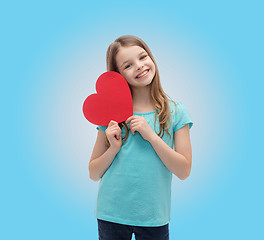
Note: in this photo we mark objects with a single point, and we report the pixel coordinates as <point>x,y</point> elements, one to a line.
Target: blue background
<point>210,57</point>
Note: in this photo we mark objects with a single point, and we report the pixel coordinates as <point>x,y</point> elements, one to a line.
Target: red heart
<point>113,100</point>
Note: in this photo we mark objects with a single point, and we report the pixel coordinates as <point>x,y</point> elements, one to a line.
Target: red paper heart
<point>113,100</point>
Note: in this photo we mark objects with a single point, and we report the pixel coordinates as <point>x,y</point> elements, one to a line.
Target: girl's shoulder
<point>180,115</point>
<point>173,105</point>
<point>176,107</point>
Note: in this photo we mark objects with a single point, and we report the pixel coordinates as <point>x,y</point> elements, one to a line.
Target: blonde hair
<point>158,96</point>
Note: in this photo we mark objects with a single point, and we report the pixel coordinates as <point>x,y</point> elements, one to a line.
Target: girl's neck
<point>142,100</point>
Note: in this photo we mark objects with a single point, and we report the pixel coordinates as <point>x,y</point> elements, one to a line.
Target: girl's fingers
<point>118,136</point>
<point>112,123</point>
<point>119,133</point>
<point>133,128</point>
<point>115,129</point>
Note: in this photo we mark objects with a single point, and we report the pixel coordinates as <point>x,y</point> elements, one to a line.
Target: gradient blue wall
<point>209,55</point>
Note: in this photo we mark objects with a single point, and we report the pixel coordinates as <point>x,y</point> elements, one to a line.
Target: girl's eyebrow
<point>129,59</point>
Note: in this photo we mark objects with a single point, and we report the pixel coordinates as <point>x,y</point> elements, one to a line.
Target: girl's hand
<point>113,133</point>
<point>140,124</point>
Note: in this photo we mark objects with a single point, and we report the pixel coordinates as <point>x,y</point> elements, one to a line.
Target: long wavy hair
<point>158,96</point>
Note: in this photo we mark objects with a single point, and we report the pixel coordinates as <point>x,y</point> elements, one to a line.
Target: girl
<point>134,160</point>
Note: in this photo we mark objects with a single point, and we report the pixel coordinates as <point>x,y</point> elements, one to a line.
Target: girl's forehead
<point>133,50</point>
<point>125,53</point>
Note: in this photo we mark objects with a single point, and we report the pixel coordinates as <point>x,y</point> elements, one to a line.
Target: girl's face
<point>135,65</point>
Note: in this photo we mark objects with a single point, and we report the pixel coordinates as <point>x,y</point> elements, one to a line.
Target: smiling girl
<point>134,160</point>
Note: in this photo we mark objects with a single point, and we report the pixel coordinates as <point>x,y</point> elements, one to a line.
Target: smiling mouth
<point>143,74</point>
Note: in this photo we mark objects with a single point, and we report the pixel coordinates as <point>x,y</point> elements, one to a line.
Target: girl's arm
<point>179,162</point>
<point>101,158</point>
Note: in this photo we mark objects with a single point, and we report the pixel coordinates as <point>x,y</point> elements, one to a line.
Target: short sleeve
<point>103,128</point>
<point>181,117</point>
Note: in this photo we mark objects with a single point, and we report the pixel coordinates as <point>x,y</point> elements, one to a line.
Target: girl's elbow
<point>186,175</point>
<point>188,171</point>
<point>92,176</point>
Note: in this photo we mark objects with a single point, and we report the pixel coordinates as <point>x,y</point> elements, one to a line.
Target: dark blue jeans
<point>115,231</point>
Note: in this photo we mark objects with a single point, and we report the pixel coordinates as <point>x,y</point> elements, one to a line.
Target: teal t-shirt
<point>136,188</point>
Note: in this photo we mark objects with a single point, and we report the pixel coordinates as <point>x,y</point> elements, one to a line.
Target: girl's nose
<point>139,66</point>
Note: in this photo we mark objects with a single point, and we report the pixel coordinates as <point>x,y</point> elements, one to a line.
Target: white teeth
<point>142,74</point>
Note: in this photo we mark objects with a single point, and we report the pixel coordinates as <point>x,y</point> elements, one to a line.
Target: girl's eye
<point>140,58</point>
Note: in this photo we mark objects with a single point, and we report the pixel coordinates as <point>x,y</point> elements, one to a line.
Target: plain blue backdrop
<point>210,57</point>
